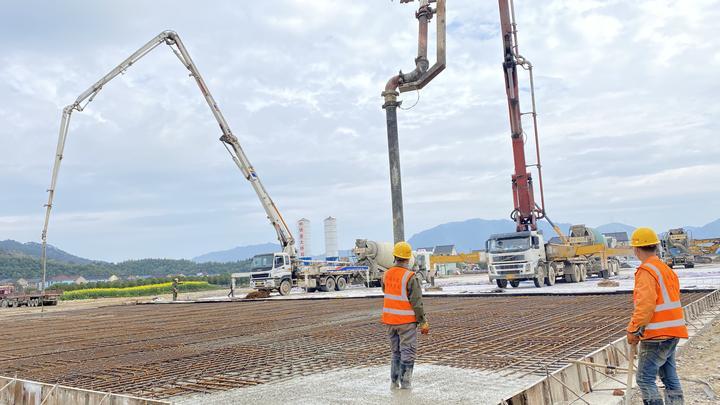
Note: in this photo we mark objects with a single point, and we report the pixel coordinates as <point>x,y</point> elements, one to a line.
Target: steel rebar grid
<point>163,351</point>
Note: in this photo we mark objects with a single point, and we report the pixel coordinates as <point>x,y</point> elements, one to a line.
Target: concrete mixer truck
<point>378,257</point>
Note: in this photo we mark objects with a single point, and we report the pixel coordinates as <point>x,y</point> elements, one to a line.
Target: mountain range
<point>10,247</point>
<point>471,234</point>
<point>237,253</point>
<point>466,235</point>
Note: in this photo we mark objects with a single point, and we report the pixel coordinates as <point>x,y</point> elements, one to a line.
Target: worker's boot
<point>674,397</point>
<point>406,375</point>
<point>395,373</point>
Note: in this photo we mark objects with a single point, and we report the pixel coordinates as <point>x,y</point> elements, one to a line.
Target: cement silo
<point>304,237</point>
<point>331,241</point>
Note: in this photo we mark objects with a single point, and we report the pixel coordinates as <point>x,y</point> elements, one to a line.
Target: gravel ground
<point>699,360</point>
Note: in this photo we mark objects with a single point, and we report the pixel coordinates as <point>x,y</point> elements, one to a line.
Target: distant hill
<point>34,249</point>
<point>14,266</point>
<point>616,227</point>
<point>23,260</point>
<point>237,253</point>
<point>711,230</point>
<point>471,234</point>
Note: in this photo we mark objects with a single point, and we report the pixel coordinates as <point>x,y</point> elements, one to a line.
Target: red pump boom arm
<point>526,212</point>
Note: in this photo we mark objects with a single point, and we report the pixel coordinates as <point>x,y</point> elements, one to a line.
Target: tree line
<point>21,266</point>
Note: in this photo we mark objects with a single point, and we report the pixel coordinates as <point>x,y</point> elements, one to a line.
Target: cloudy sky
<point>626,91</point>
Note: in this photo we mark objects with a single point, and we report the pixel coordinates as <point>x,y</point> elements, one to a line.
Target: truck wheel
<point>340,283</point>
<point>690,266</point>
<point>329,285</point>
<point>583,273</point>
<point>501,283</point>
<point>3,304</point>
<point>551,276</point>
<point>285,287</point>
<point>605,273</point>
<point>571,273</point>
<point>515,283</point>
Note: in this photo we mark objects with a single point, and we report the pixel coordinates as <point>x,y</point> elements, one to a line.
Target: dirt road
<point>74,305</point>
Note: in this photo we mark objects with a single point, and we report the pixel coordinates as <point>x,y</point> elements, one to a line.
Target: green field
<point>139,291</point>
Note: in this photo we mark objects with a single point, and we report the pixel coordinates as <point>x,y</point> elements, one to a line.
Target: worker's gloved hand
<point>424,328</point>
<point>632,338</point>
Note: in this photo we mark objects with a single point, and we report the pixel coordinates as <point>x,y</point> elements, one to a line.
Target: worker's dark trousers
<point>658,357</point>
<point>403,345</point>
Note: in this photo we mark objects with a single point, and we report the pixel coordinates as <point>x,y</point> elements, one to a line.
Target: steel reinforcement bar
<point>164,351</point>
<point>587,379</point>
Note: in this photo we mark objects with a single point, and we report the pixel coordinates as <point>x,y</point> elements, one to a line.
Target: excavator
<point>229,140</point>
<point>705,250</point>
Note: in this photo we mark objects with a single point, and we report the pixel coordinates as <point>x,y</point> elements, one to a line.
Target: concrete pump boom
<point>526,212</point>
<point>171,39</point>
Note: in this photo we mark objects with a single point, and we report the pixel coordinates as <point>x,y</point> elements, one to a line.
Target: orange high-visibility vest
<point>668,319</point>
<point>397,309</point>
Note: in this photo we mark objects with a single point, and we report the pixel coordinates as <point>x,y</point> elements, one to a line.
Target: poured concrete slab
<point>431,385</point>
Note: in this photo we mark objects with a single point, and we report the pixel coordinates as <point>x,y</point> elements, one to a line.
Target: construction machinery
<point>285,274</point>
<point>378,257</point>
<point>462,259</point>
<point>676,248</point>
<point>402,82</point>
<point>524,254</point>
<point>10,297</point>
<point>280,272</point>
<point>705,250</point>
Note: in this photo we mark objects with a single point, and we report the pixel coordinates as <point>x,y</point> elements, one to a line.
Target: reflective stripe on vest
<point>667,303</point>
<point>403,289</point>
<point>397,309</point>
<point>668,318</point>
<point>666,324</point>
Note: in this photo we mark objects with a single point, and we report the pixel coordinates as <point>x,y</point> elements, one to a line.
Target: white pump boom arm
<point>171,39</point>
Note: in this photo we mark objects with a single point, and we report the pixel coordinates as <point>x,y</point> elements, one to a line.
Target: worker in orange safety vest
<point>402,312</point>
<point>657,321</point>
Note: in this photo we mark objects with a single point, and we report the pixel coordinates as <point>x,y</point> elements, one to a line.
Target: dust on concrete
<point>432,384</point>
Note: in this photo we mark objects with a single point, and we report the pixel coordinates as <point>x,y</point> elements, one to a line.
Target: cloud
<point>626,104</point>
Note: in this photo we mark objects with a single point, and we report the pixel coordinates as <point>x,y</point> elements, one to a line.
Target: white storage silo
<point>331,240</point>
<point>304,242</point>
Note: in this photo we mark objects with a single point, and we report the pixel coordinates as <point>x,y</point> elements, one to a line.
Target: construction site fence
<point>15,391</point>
<point>571,383</point>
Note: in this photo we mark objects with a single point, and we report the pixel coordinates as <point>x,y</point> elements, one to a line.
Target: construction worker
<point>657,321</point>
<point>175,289</point>
<point>402,313</point>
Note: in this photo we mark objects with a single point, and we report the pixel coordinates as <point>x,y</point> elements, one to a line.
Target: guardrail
<point>597,372</point>
<point>16,391</point>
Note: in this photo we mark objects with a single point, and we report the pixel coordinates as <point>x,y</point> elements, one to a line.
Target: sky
<point>626,98</point>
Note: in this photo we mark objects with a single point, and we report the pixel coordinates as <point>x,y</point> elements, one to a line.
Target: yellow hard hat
<point>644,237</point>
<point>402,250</point>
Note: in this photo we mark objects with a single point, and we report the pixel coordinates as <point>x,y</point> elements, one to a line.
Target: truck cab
<point>515,257</point>
<point>268,271</point>
<point>676,249</point>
